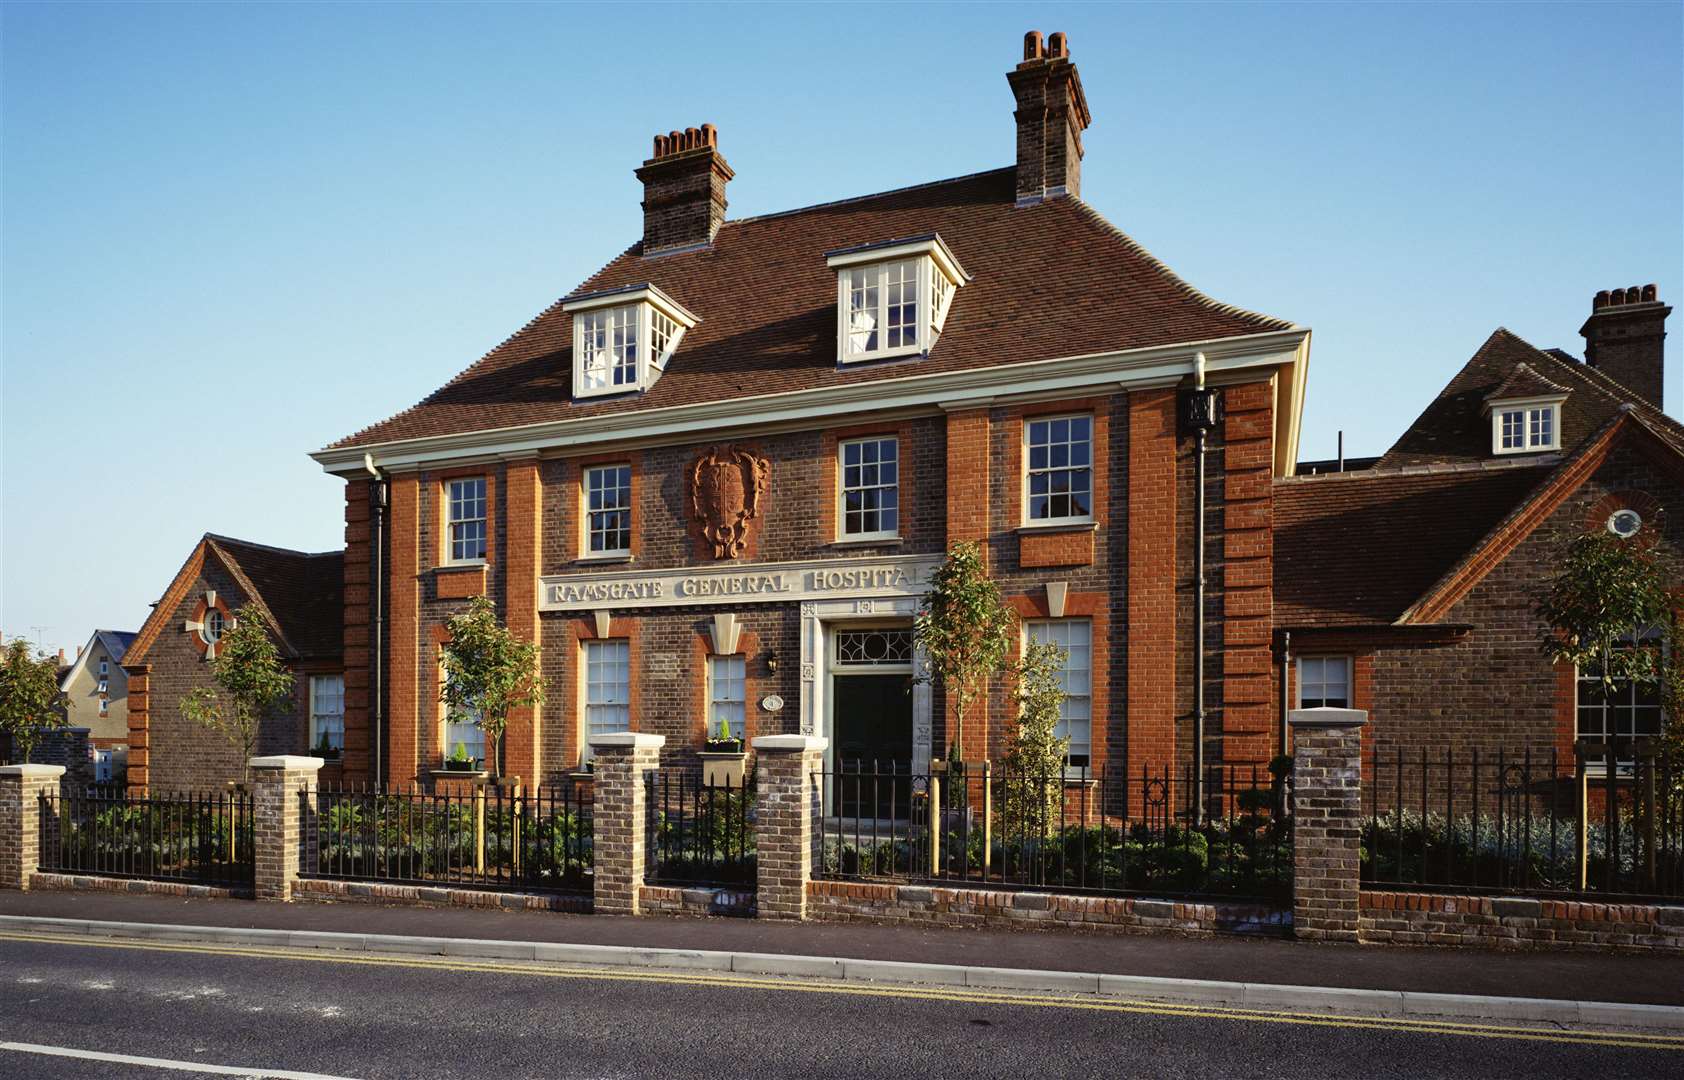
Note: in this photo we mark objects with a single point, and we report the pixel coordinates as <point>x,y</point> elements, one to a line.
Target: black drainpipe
<point>377,713</point>
<point>1286,675</point>
<point>1200,413</point>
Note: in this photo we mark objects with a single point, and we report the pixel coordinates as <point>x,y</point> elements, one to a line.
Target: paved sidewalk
<point>1626,978</point>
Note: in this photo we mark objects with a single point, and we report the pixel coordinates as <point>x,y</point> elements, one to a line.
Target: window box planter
<point>723,768</point>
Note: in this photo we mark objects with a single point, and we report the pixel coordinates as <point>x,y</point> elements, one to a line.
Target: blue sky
<point>235,233</point>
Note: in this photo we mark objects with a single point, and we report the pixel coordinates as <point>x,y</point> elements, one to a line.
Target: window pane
<point>726,692</point>
<point>1059,472</point>
<point>466,519</point>
<point>608,498</point>
<point>870,490</point>
<point>1075,717</point>
<point>607,686</point>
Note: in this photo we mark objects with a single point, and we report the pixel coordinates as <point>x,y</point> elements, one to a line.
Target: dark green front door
<point>872,717</point>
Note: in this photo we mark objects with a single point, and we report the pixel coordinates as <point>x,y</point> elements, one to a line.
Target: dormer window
<point>892,298</point>
<point>1525,427</point>
<point>623,338</point>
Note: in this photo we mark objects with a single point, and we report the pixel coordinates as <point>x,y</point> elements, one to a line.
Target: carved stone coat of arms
<point>728,489</point>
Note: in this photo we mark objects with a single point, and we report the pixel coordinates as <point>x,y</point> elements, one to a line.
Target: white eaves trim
<point>673,310</point>
<point>1126,369</point>
<point>933,246</point>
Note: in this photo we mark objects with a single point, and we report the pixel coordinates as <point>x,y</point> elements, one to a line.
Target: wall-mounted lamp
<point>771,661</point>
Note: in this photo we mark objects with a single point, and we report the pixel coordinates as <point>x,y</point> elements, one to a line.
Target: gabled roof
<point>300,594</point>
<point>1359,548</point>
<point>115,642</point>
<point>1048,281</point>
<point>1455,429</point>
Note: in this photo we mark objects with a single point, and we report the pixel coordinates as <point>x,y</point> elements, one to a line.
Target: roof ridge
<point>223,539</point>
<point>864,198</point>
<point>1188,289</point>
<point>1536,461</point>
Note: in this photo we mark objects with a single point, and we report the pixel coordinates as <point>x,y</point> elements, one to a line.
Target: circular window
<point>213,626</point>
<point>1625,523</point>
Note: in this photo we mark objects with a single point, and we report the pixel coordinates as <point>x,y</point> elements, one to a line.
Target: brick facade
<point>1491,687</point>
<point>1128,571</point>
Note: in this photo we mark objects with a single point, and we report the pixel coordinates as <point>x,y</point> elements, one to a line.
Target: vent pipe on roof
<point>1052,112</point>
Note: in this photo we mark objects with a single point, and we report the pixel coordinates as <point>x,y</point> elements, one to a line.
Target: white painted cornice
<point>970,388</point>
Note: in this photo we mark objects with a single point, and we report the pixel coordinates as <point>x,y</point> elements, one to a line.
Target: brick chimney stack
<point>1625,339</point>
<point>683,190</point>
<point>1052,112</point>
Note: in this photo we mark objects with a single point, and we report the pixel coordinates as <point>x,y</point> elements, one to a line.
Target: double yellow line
<point>954,995</point>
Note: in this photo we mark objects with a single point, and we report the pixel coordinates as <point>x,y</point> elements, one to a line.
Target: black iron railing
<point>1605,820</point>
<point>1083,830</point>
<point>487,837</point>
<point>200,839</point>
<point>700,833</point>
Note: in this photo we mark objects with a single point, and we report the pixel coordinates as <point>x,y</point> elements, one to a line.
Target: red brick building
<point>298,596</point>
<point>1409,588</point>
<point>712,479</point>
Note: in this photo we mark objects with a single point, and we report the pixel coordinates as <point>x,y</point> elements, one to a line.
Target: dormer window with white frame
<point>892,298</point>
<point>1525,426</point>
<point>623,338</point>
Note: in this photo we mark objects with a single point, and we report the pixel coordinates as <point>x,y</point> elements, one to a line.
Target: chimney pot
<point>683,191</point>
<point>1052,112</point>
<point>1625,339</point>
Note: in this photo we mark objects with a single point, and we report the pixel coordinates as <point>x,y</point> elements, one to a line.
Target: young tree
<point>1597,606</point>
<point>250,685</point>
<point>966,631</point>
<point>31,703</point>
<point>1035,760</point>
<point>489,673</point>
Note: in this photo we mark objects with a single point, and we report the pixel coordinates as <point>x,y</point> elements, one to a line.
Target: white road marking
<point>166,1063</point>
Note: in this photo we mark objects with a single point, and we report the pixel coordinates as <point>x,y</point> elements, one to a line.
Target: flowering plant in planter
<point>724,761</point>
<point>723,742</point>
<point>460,760</point>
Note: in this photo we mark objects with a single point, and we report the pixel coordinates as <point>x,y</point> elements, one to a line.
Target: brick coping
<point>1019,909</point>
<point>95,883</point>
<point>1399,917</point>
<point>371,892</point>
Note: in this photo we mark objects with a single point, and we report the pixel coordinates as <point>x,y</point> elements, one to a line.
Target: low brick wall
<point>1518,922</point>
<point>847,901</point>
<point>696,901</point>
<point>91,883</point>
<point>368,892</point>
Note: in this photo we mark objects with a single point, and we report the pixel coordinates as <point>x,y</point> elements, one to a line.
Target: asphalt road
<point>347,1016</point>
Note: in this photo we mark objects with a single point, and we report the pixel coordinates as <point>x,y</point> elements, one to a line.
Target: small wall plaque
<point>771,703</point>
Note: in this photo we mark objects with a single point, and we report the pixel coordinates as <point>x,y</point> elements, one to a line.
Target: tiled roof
<point>303,592</point>
<point>1523,382</point>
<point>1049,280</point>
<point>1354,549</point>
<point>1454,428</point>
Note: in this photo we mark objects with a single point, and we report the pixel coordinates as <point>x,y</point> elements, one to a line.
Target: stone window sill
<point>882,541</point>
<point>604,560</point>
<point>1060,527</point>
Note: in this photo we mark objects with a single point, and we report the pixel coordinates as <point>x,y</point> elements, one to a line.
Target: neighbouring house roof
<point>1047,281</point>
<point>301,595</point>
<point>1456,429</point>
<point>116,643</point>
<point>1360,548</point>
